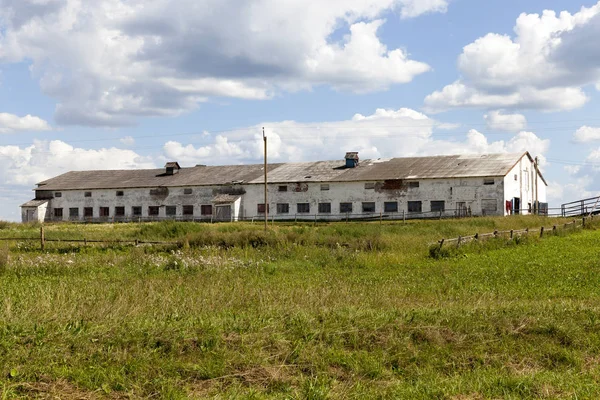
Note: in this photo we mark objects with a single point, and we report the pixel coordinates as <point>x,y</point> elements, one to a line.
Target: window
<point>119,211</point>
<point>390,206</point>
<point>88,212</point>
<point>104,211</point>
<point>414,207</point>
<point>171,211</point>
<point>87,194</point>
<point>58,213</point>
<point>136,211</point>
<point>187,191</point>
<point>489,206</point>
<point>57,194</point>
<point>153,210</point>
<point>283,208</point>
<point>368,207</point>
<point>437,206</point>
<point>489,181</point>
<point>516,177</point>
<point>303,208</point>
<point>345,207</point>
<point>73,212</point>
<point>370,185</point>
<point>324,208</point>
<point>206,210</point>
<point>260,208</point>
<point>413,185</point>
<point>282,188</point>
<point>119,193</point>
<point>325,186</point>
<point>189,210</point>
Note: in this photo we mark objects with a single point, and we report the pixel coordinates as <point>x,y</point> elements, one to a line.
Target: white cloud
<point>505,122</point>
<point>45,159</point>
<point>414,8</point>
<point>109,62</point>
<point>10,123</point>
<point>127,141</point>
<point>545,66</point>
<point>572,169</point>
<point>586,134</point>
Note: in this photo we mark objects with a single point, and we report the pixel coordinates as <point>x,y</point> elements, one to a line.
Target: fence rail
<point>577,208</point>
<point>461,240</point>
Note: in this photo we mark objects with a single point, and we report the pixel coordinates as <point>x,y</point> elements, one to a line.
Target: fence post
<point>404,216</point>
<point>42,238</point>
<point>458,242</point>
<point>583,222</point>
<point>495,234</point>
<point>380,218</point>
<point>441,243</point>
<point>527,231</point>
<point>554,229</point>
<point>137,242</point>
<point>542,231</point>
<point>84,241</point>
<point>476,236</point>
<point>511,233</point>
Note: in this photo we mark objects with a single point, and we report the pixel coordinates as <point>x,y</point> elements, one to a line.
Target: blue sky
<point>114,84</point>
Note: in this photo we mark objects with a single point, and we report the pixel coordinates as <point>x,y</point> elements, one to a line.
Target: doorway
<point>516,205</point>
<point>223,213</point>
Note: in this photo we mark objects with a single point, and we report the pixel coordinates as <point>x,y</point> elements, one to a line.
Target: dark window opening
<point>187,191</point>
<point>87,194</point>
<point>58,194</point>
<point>189,210</point>
<point>415,207</point>
<point>74,212</point>
<point>136,211</point>
<point>325,186</point>
<point>104,211</point>
<point>345,207</point>
<point>153,210</point>
<point>437,206</point>
<point>282,188</point>
<point>303,208</point>
<point>88,212</point>
<point>58,212</point>
<point>119,211</point>
<point>370,185</point>
<point>390,206</point>
<point>413,185</point>
<point>283,208</point>
<point>368,207</point>
<point>171,211</point>
<point>206,210</point>
<point>325,208</point>
<point>489,181</point>
<point>260,208</point>
<point>119,193</point>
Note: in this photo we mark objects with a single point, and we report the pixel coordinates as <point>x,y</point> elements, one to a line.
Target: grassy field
<point>330,311</point>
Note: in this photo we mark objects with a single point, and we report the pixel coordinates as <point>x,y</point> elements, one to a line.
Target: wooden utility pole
<point>537,200</point>
<point>266,196</point>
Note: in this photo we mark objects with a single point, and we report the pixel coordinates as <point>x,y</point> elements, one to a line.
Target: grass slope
<point>336,311</point>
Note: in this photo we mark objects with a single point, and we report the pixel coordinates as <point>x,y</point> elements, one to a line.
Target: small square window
<point>390,206</point>
<point>104,211</point>
<point>119,193</point>
<point>368,207</point>
<point>87,194</point>
<point>187,191</point>
<point>413,185</point>
<point>370,185</point>
<point>74,212</point>
<point>136,211</point>
<point>414,207</point>
<point>171,211</point>
<point>325,186</point>
<point>189,210</point>
<point>58,212</point>
<point>488,181</point>
<point>153,210</point>
<point>88,212</point>
<point>283,208</point>
<point>324,208</point>
<point>119,211</point>
<point>345,207</point>
<point>206,209</point>
<point>516,177</point>
<point>260,208</point>
<point>303,208</point>
<point>57,194</point>
<point>282,188</point>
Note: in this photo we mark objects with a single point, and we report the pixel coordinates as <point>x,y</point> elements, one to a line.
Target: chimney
<point>351,159</point>
<point>172,168</point>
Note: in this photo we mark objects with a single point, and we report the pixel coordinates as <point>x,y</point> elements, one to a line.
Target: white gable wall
<point>521,183</point>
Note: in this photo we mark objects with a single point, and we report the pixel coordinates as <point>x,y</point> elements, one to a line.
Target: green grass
<point>302,312</point>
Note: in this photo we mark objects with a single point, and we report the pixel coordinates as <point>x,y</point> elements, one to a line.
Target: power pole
<point>266,196</point>
<point>537,200</point>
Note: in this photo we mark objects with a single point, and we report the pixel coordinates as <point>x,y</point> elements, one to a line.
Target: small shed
<point>34,211</point>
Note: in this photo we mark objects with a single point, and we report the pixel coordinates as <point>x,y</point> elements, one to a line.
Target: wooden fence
<point>513,233</point>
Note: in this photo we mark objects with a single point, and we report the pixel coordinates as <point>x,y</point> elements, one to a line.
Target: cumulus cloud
<point>109,62</point>
<point>505,122</point>
<point>544,66</point>
<point>10,123</point>
<point>45,159</point>
<point>586,134</point>
<point>127,141</point>
<point>385,133</point>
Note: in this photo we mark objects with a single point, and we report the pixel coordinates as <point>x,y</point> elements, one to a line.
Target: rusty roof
<point>436,167</point>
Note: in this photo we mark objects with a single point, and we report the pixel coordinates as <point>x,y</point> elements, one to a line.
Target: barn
<point>394,188</point>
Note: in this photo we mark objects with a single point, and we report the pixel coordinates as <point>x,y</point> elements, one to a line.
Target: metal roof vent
<point>351,159</point>
<point>172,168</point>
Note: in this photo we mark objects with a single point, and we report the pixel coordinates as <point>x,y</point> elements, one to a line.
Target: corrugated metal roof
<point>455,166</point>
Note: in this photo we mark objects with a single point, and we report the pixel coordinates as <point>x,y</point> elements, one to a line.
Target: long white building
<point>417,187</point>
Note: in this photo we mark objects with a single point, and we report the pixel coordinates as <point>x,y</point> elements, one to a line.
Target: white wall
<point>521,182</point>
